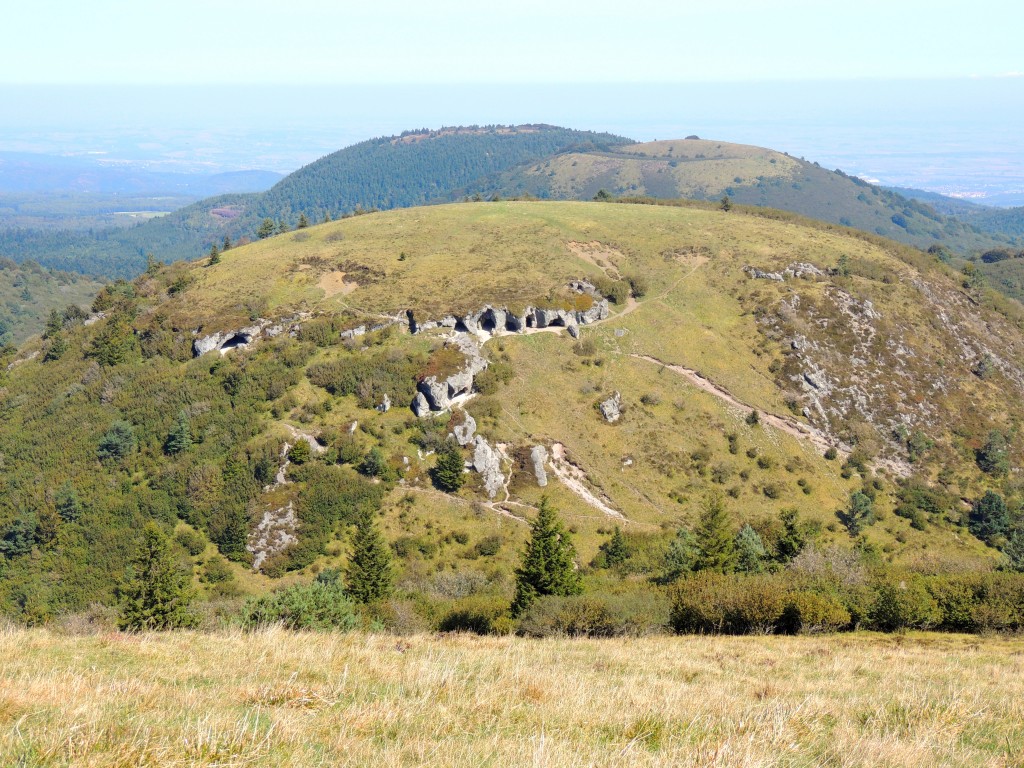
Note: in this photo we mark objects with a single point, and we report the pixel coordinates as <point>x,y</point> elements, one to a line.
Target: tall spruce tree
<point>179,439</point>
<point>369,576</point>
<point>158,594</point>
<point>715,539</point>
<point>548,566</point>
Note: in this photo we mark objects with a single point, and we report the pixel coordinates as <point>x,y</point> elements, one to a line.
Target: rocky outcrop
<point>539,457</point>
<point>798,270</point>
<point>385,404</point>
<point>225,341</point>
<point>487,461</point>
<point>611,408</point>
<point>438,394</point>
<point>465,431</point>
<point>276,531</point>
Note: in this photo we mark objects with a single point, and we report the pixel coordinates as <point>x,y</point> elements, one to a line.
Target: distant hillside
<point>700,169</point>
<point>28,293</point>
<point>390,172</point>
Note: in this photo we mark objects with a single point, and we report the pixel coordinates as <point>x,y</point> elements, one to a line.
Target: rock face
<point>539,457</point>
<point>465,431</point>
<point>420,406</point>
<point>611,408</point>
<point>439,394</point>
<point>275,533</point>
<point>487,462</point>
<point>225,341</point>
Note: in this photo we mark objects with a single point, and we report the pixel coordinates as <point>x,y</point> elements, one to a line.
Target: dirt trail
<point>575,479</point>
<point>816,437</point>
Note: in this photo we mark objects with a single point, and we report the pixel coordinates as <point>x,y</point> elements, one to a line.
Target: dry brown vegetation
<point>282,699</point>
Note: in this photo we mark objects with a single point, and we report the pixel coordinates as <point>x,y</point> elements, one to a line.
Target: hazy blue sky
<point>439,41</point>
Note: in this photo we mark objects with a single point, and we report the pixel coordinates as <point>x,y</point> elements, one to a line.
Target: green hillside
<point>29,293</point>
<point>389,172</point>
<point>708,170</point>
<point>771,363</point>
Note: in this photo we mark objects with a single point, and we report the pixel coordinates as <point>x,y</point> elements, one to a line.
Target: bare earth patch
<point>333,284</point>
<point>598,254</point>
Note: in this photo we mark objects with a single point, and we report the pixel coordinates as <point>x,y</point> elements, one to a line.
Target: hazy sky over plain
<point>450,41</point>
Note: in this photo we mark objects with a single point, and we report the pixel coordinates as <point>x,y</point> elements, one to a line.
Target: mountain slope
<point>388,172</point>
<point>750,175</point>
<point>748,347</point>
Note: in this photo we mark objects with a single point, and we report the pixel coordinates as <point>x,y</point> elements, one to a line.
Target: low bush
<point>320,606</point>
<point>595,615</point>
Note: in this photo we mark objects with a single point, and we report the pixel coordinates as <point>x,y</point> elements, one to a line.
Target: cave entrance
<point>236,341</point>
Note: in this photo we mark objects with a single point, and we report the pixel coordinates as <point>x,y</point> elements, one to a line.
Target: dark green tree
<point>369,576</point>
<point>859,514</point>
<point>989,517</point>
<point>19,536</point>
<point>303,222</point>
<point>54,324</point>
<point>179,439</point>
<point>602,196</point>
<point>548,566</point>
<point>994,456</point>
<point>214,255</point>
<point>793,539</point>
<point>725,203</point>
<point>1013,553</point>
<point>615,551</point>
<point>448,473</point>
<point>117,442</point>
<point>681,556</point>
<point>266,229</point>
<point>57,347</point>
<point>715,538</point>
<point>66,501</point>
<point>282,226</point>
<point>158,593</point>
<point>300,453</point>
<point>227,244</point>
<point>375,464</point>
<point>229,530</point>
<point>750,551</point>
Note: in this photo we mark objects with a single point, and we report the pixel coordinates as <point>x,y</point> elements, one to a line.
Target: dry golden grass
<point>281,699</point>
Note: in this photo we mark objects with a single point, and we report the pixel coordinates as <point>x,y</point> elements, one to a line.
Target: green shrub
<point>712,603</point>
<point>903,602</point>
<point>476,614</point>
<point>191,541</point>
<point>594,615</point>
<point>813,612</point>
<point>319,607</point>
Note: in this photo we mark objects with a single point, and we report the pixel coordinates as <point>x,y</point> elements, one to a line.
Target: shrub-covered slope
<point>772,363</point>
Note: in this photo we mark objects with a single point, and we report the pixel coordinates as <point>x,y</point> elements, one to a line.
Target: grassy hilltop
<point>706,170</point>
<point>836,341</point>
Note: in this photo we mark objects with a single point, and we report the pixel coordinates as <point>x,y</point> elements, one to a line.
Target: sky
<point>108,42</point>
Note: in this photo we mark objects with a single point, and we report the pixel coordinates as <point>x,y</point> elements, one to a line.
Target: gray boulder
<point>465,431</point>
<point>539,457</point>
<point>420,406</point>
<point>611,408</point>
<point>487,462</point>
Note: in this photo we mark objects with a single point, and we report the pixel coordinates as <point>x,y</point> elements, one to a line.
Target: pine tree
<point>681,556</point>
<point>229,530</point>
<point>448,473</point>
<point>266,229</point>
<point>227,244</point>
<point>303,222</point>
<point>615,551</point>
<point>68,506</point>
<point>282,226</point>
<point>793,539</point>
<point>58,346</point>
<point>750,551</point>
<point>548,566</point>
<point>179,439</point>
<point>859,514</point>
<point>725,203</point>
<point>158,594</point>
<point>214,255</point>
<point>54,324</point>
<point>714,537</point>
<point>369,576</point>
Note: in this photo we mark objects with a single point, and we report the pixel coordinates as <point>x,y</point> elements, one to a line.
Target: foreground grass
<point>284,699</point>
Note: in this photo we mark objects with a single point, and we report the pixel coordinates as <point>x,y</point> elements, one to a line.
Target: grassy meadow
<point>275,698</point>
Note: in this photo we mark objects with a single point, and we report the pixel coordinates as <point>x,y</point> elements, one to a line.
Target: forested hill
<point>390,172</point>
